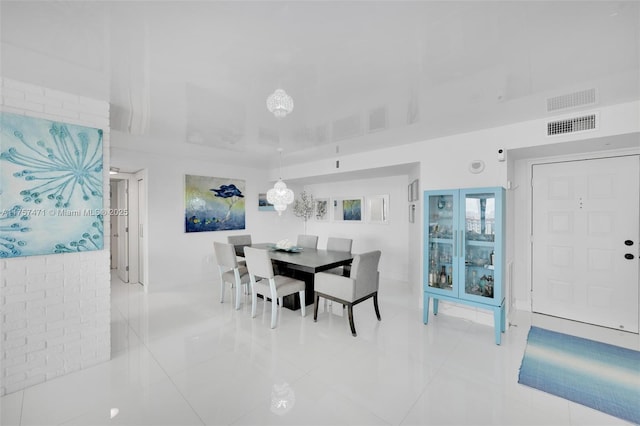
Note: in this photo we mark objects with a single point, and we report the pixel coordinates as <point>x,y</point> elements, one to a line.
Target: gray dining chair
<point>270,285</point>
<point>307,241</point>
<point>230,270</point>
<point>240,242</point>
<point>360,286</point>
<point>340,244</point>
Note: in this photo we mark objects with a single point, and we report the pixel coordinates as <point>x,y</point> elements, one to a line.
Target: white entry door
<point>586,233</point>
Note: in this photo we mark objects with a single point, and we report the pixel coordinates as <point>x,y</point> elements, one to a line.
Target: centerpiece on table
<point>286,245</point>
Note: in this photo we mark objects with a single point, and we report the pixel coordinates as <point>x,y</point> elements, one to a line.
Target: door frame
<point>583,313</point>
<point>523,175</point>
<point>135,219</point>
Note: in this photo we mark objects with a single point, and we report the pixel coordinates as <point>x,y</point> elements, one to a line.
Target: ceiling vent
<point>572,100</point>
<point>377,119</point>
<point>346,128</point>
<point>572,125</point>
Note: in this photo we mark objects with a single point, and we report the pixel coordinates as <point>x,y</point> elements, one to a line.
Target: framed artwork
<point>409,193</point>
<point>213,204</point>
<point>264,205</point>
<point>321,210</point>
<point>378,208</point>
<point>412,213</point>
<point>51,187</point>
<point>348,209</point>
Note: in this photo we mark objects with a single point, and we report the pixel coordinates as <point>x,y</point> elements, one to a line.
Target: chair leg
<point>254,302</point>
<point>238,293</point>
<point>375,305</point>
<point>351,324</point>
<point>274,312</point>
<point>222,283</point>
<point>303,307</point>
<point>315,307</point>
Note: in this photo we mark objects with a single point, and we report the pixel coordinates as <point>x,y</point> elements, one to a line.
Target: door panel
<point>123,231</point>
<point>583,212</point>
<point>142,231</point>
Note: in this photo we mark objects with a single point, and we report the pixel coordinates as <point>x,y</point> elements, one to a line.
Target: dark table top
<point>308,260</point>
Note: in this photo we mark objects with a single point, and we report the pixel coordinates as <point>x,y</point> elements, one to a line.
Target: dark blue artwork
<point>214,204</point>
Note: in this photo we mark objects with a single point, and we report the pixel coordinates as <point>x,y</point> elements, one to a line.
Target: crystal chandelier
<point>280,196</point>
<point>279,103</point>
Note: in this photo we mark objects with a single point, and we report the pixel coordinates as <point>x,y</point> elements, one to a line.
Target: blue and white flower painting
<point>51,187</point>
<point>214,204</point>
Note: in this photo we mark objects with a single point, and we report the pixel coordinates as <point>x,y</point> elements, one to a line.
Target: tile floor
<point>182,358</point>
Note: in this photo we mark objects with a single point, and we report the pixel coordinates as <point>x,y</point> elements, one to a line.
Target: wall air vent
<point>572,100</point>
<point>572,125</point>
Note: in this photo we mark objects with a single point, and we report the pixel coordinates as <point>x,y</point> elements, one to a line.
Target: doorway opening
<point>128,220</point>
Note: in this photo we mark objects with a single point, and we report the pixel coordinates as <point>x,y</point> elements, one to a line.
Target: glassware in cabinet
<point>464,246</point>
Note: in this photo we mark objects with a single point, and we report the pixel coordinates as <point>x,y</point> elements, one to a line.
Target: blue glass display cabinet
<point>464,250</point>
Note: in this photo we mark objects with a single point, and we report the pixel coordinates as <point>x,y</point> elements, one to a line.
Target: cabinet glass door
<point>441,241</point>
<point>479,218</point>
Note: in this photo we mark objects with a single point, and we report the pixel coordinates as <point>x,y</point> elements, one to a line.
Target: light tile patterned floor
<point>182,358</point>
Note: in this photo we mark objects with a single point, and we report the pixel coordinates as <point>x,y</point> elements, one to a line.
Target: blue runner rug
<point>601,376</point>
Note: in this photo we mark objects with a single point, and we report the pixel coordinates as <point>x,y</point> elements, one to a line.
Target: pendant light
<point>280,196</point>
<point>279,103</point>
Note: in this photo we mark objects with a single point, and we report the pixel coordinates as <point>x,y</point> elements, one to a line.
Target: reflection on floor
<point>182,358</point>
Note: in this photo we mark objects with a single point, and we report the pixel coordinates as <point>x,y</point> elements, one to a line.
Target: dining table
<point>302,264</point>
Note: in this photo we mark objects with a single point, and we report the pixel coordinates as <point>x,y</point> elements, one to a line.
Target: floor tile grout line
<point>168,376</point>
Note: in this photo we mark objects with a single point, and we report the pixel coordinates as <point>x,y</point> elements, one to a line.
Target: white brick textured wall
<point>56,309</point>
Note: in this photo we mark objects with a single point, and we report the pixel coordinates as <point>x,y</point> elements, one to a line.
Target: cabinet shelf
<point>441,240</point>
<point>480,243</point>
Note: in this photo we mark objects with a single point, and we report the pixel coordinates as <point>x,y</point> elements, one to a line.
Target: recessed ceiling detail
<point>438,68</point>
<point>345,128</point>
<point>377,119</point>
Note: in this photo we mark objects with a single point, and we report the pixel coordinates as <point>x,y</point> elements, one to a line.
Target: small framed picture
<point>409,193</point>
<point>321,210</point>
<point>348,209</point>
<point>412,213</point>
<point>264,205</point>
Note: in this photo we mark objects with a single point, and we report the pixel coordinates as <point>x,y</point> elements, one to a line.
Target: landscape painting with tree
<point>214,204</point>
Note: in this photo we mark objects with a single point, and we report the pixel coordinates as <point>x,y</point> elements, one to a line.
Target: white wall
<point>444,165</point>
<point>55,308</point>
<point>392,238</point>
<point>177,258</point>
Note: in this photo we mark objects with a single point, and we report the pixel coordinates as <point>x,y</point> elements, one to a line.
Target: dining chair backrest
<point>339,244</point>
<point>307,241</point>
<point>225,255</point>
<point>364,271</point>
<point>258,262</point>
<point>239,240</point>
